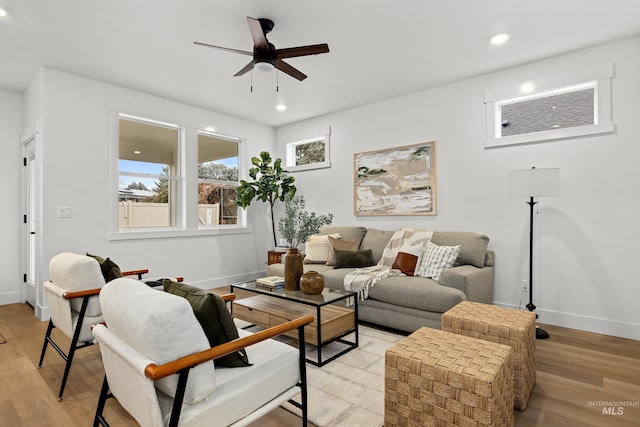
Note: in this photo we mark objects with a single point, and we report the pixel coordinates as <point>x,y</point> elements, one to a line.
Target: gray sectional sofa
<point>406,302</point>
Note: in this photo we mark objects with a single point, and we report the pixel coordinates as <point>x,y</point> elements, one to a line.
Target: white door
<point>30,188</point>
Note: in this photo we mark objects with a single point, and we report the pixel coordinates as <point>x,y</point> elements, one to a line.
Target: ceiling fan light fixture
<point>265,67</point>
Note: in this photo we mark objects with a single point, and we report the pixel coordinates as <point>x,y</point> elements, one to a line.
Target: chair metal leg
<point>303,375</point>
<point>46,342</point>
<point>74,345</point>
<point>104,395</point>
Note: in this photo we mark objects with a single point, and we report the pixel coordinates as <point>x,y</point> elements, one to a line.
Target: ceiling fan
<point>265,55</point>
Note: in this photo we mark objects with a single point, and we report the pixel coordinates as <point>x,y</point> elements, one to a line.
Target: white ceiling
<point>379,48</point>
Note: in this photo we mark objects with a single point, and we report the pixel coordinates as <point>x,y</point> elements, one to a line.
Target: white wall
<point>74,116</point>
<point>10,215</point>
<point>585,252</point>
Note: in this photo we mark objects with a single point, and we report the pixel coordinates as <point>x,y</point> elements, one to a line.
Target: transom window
<point>552,107</point>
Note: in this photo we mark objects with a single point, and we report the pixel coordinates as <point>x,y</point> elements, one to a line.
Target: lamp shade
<point>534,182</point>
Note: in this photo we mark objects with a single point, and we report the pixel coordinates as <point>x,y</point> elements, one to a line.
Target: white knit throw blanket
<point>362,279</point>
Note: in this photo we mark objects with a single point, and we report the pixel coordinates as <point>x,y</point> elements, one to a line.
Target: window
<point>573,105</point>
<point>217,180</point>
<point>148,162</point>
<point>308,154</point>
<point>172,180</point>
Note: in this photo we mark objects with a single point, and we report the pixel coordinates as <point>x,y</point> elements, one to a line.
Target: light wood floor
<point>575,370</point>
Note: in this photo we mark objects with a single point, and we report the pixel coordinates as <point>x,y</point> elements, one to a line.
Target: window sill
<point>140,234</point>
<point>550,135</point>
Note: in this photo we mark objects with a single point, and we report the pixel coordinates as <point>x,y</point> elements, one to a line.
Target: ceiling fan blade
<point>286,68</point>
<point>291,52</point>
<point>260,42</point>
<point>245,69</point>
<point>243,52</point>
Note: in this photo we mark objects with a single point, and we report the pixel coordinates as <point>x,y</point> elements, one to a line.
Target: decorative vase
<point>312,283</point>
<point>292,269</point>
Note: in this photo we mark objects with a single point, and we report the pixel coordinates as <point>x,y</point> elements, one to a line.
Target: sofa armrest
<point>476,283</point>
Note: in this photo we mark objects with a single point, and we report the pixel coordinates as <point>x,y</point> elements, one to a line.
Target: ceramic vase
<point>292,269</point>
<point>312,283</point>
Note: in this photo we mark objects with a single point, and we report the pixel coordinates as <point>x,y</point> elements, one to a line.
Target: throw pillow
<point>406,263</point>
<point>353,259</point>
<point>435,259</point>
<point>342,245</point>
<point>215,319</point>
<point>110,269</point>
<point>317,249</point>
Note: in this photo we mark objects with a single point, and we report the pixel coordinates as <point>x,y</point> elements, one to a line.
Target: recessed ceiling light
<point>3,12</point>
<point>281,107</point>
<point>527,87</point>
<point>499,38</point>
<point>136,151</point>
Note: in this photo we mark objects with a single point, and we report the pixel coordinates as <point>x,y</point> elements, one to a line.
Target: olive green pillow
<point>353,259</point>
<point>215,319</point>
<point>110,269</point>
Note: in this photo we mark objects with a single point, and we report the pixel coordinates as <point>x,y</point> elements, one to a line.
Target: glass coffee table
<point>335,313</point>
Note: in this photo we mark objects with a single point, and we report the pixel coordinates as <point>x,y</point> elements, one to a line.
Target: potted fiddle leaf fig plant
<point>270,184</point>
<point>296,227</point>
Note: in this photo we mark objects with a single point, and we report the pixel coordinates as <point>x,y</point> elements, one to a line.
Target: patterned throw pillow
<point>435,259</point>
<point>316,249</point>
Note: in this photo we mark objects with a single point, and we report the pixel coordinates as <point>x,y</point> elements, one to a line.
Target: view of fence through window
<point>148,156</point>
<point>217,180</point>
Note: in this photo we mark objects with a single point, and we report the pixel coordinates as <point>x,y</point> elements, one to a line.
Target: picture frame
<point>396,181</point>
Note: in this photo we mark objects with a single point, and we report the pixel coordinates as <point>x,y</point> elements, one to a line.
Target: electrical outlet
<point>525,286</point>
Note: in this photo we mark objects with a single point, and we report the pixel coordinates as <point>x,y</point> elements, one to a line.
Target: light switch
<point>64,211</point>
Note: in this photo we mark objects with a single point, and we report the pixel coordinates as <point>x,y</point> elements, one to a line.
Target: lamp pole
<point>540,333</point>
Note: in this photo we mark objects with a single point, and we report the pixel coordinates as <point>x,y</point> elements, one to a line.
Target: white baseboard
<point>585,323</point>
<point>13,297</point>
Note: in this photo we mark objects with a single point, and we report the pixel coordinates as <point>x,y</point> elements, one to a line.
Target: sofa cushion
<point>406,263</point>
<point>346,232</point>
<point>435,259</point>
<point>472,246</point>
<point>376,240</point>
<point>416,292</point>
<point>214,317</point>
<point>316,249</point>
<point>353,259</point>
<point>162,327</point>
<point>343,245</point>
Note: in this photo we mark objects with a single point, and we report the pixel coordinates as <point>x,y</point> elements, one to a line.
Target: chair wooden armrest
<point>81,294</point>
<point>228,297</point>
<point>138,273</point>
<point>156,372</point>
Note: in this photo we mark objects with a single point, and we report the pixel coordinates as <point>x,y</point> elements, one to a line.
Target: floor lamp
<point>534,183</point>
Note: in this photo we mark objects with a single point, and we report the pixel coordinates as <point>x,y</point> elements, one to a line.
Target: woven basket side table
<point>515,328</point>
<point>436,378</point>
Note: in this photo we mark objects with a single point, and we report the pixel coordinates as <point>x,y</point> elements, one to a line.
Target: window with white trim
<point>148,163</point>
<point>307,154</point>
<point>573,105</point>
<point>172,180</point>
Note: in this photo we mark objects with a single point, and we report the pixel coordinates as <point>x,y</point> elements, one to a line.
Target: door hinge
<point>25,219</point>
<point>24,277</point>
<point>24,161</point>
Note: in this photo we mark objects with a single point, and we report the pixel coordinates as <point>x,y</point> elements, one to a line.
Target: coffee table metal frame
<point>328,296</point>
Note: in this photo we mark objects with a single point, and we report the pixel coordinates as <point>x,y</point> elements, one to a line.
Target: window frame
<point>185,208</point>
<point>600,76</point>
<point>290,154</point>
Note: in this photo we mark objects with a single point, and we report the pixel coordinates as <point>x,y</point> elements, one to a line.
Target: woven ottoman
<point>516,328</point>
<point>436,378</point>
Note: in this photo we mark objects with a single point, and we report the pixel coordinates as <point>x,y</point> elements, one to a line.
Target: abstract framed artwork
<point>396,181</point>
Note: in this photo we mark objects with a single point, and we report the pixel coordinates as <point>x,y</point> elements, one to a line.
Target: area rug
<point>349,391</point>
